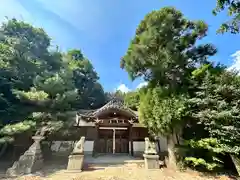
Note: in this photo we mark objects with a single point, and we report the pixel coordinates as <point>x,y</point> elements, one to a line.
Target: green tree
<point>24,55</point>
<point>163,116</point>
<point>38,85</point>
<point>165,51</point>
<point>233,10</point>
<point>91,93</point>
<point>33,79</point>
<point>213,116</point>
<point>132,99</point>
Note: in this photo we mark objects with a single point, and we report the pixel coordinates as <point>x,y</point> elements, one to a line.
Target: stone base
<point>25,165</point>
<point>29,162</point>
<point>75,162</point>
<point>151,161</point>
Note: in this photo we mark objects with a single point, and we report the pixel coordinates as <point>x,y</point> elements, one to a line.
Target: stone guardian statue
<point>79,146</point>
<point>151,158</point>
<point>75,160</point>
<point>150,147</point>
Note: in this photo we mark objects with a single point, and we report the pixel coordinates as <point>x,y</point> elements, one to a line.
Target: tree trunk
<point>171,162</point>
<point>3,149</point>
<point>159,146</point>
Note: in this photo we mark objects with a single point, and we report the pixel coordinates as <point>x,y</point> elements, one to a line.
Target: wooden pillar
<point>95,144</point>
<point>131,140</point>
<point>114,141</point>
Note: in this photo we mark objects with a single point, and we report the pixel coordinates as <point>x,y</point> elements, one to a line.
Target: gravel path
<point>124,172</point>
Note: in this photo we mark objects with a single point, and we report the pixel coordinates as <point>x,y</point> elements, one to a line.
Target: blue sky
<point>102,29</point>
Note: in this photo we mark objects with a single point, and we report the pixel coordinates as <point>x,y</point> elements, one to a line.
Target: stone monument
<point>30,161</point>
<point>151,158</point>
<point>75,160</point>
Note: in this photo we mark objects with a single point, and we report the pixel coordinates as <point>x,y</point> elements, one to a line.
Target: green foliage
<point>204,154</point>
<point>85,79</point>
<point>32,95</point>
<point>132,100</point>
<point>160,113</point>
<point>212,130</point>
<point>9,130</point>
<point>164,49</point>
<point>34,78</point>
<point>199,162</point>
<point>17,128</point>
<point>211,144</point>
<point>233,10</point>
<point>184,89</point>
<point>216,106</point>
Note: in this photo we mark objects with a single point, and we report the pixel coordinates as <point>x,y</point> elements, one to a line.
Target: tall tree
<point>85,78</point>
<point>33,79</point>
<point>165,51</point>
<point>39,85</point>
<point>163,115</point>
<point>213,117</point>
<point>24,55</point>
<point>233,10</point>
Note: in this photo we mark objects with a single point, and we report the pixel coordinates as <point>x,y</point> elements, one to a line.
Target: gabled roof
<point>114,104</point>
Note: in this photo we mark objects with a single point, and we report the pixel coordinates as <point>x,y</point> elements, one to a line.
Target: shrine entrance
<point>113,140</point>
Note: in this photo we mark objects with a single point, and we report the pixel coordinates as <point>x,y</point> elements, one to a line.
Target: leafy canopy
<point>165,48</point>
<point>233,10</point>
<point>212,127</point>
<point>37,79</point>
<point>160,113</point>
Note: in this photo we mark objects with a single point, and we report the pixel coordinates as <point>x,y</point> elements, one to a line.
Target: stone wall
<point>65,147</point>
<point>139,146</point>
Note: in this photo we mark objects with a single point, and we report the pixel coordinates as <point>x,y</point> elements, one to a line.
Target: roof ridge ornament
<point>97,121</point>
<point>131,121</point>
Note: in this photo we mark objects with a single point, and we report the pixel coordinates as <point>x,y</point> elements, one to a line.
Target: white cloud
<point>123,88</point>
<point>236,61</point>
<point>142,84</point>
<point>85,15</point>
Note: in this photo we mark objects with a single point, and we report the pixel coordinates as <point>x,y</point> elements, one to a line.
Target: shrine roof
<point>116,104</point>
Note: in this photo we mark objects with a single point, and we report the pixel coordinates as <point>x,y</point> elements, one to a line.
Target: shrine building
<point>113,129</point>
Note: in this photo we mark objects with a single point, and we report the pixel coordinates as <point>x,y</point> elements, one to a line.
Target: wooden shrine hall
<point>112,128</point>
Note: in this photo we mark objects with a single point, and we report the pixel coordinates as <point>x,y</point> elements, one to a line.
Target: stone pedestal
<point>151,161</point>
<point>75,162</point>
<point>30,161</point>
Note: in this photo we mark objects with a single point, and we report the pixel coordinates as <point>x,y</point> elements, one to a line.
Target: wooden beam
<point>113,128</point>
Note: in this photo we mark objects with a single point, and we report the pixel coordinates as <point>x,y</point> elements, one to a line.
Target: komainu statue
<point>79,146</point>
<point>150,147</point>
<point>75,160</point>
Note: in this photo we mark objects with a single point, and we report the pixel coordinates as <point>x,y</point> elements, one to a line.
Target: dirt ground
<point>122,172</point>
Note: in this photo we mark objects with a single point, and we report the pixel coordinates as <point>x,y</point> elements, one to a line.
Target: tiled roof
<point>86,112</point>
<point>113,104</point>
